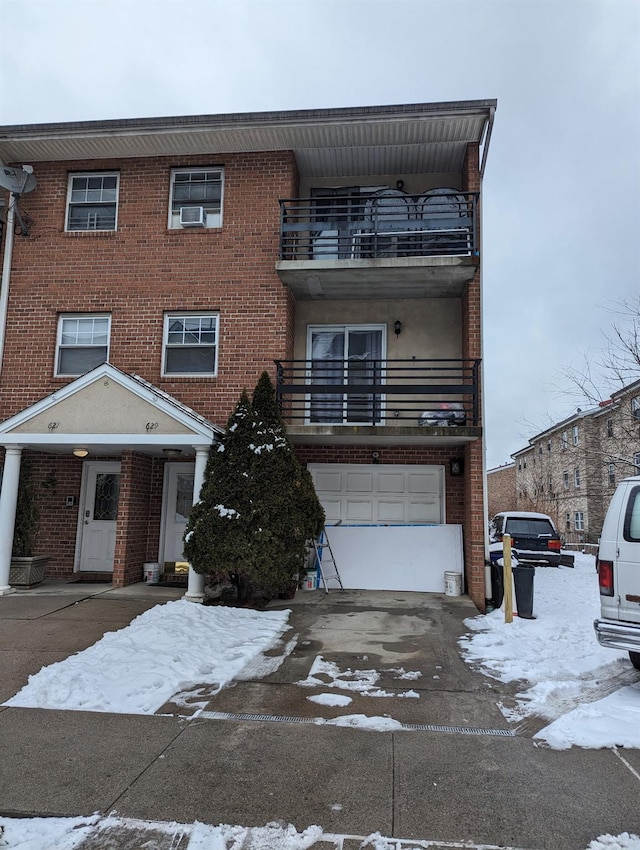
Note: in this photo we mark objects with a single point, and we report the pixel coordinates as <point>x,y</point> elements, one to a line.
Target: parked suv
<point>618,565</point>
<point>534,537</point>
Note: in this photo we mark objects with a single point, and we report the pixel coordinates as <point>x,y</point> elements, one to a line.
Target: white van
<point>618,566</point>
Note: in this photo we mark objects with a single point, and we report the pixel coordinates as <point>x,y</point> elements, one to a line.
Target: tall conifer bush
<point>258,507</point>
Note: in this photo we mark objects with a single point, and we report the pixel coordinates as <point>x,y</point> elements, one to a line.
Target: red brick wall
<point>501,489</point>
<point>133,518</point>
<point>144,269</point>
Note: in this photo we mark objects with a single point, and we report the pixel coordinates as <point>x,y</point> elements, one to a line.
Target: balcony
<point>388,244</point>
<point>380,401</point>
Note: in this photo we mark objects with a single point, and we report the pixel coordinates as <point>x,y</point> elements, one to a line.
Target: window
<point>519,465</point>
<point>92,201</point>
<point>564,440</point>
<point>575,436</point>
<point>578,520</point>
<point>635,407</point>
<point>631,528</point>
<point>609,427</point>
<point>568,522</point>
<point>565,480</point>
<point>548,445</point>
<point>540,449</point>
<point>190,345</point>
<point>636,462</point>
<point>576,478</point>
<point>199,193</point>
<point>83,343</point>
<point>611,471</point>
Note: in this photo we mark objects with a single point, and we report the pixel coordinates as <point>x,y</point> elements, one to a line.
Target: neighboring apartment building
<point>501,489</point>
<point>161,264</point>
<point>570,471</point>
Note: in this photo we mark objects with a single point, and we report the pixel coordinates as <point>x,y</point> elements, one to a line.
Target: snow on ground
<point>163,651</point>
<point>568,674</point>
<point>360,681</point>
<point>69,833</point>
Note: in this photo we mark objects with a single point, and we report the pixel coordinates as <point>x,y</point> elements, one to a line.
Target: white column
<point>8,501</point>
<point>195,587</point>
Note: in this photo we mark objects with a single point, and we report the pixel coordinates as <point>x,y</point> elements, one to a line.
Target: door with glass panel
<point>98,517</point>
<point>178,488</point>
<point>345,356</point>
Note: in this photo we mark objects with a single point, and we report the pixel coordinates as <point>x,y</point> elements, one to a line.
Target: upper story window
<point>576,478</point>
<point>196,197</point>
<point>611,473</point>
<point>83,343</point>
<point>609,427</point>
<point>92,201</point>
<point>579,520</point>
<point>565,480</point>
<point>190,345</point>
<point>575,435</point>
<point>548,445</point>
<point>635,407</point>
<point>564,440</point>
<point>636,462</point>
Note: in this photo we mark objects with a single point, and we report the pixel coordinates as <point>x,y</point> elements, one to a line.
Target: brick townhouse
<point>570,471</point>
<point>156,267</point>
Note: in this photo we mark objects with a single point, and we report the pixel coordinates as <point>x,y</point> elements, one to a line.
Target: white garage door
<point>374,494</point>
<point>407,546</point>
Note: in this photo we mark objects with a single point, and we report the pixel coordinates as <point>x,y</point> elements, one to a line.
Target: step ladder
<point>326,561</point>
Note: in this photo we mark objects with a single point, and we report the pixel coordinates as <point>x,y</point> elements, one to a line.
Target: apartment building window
<point>575,435</point>
<point>565,480</point>
<point>568,522</point>
<point>635,407</point>
<point>576,478</point>
<point>609,427</point>
<point>92,201</point>
<point>611,472</point>
<point>578,520</point>
<point>82,344</point>
<point>564,440</point>
<point>636,462</point>
<point>540,449</point>
<point>548,445</point>
<point>190,345</point>
<point>519,465</point>
<point>196,198</point>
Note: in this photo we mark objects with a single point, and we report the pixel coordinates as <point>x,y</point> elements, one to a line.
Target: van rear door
<point>627,570</point>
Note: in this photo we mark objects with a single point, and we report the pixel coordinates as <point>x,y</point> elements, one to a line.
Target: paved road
<point>252,754</point>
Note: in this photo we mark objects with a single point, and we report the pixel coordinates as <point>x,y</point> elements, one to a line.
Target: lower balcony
<point>380,401</point>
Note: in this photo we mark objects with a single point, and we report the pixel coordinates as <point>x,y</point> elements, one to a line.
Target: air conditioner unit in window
<point>193,217</point>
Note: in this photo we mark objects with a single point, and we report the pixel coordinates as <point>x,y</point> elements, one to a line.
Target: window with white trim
<point>83,343</point>
<point>196,198</point>
<point>190,344</point>
<point>636,462</point>
<point>576,435</point>
<point>635,407</point>
<point>565,480</point>
<point>92,201</point>
<point>578,521</point>
<point>576,478</point>
<point>609,427</point>
<point>564,440</point>
<point>611,472</point>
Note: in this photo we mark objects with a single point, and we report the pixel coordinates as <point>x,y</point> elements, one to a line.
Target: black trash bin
<point>497,584</point>
<point>523,576</point>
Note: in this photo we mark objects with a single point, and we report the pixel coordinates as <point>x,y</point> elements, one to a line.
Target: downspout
<point>488,593</point>
<point>6,272</point>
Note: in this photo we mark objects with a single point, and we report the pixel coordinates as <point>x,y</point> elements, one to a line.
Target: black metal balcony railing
<point>379,392</point>
<point>359,227</point>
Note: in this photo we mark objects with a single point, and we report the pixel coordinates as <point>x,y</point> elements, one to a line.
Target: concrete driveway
<point>455,772</point>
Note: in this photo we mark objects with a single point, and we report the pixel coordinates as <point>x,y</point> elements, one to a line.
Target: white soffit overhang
<point>107,411</point>
<point>411,138</point>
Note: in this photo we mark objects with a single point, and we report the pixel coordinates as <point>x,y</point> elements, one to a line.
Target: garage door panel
<point>359,482</point>
<point>391,482</point>
<point>358,510</point>
<point>329,481</point>
<point>390,511</point>
<point>423,482</point>
<point>423,512</point>
<point>332,510</point>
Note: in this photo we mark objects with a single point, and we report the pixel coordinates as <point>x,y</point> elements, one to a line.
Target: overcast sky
<point>562,186</point>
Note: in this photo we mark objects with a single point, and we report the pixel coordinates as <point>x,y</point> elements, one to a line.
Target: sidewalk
<point>252,754</point>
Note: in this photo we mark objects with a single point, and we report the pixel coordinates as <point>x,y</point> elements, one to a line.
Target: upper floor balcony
<point>380,401</point>
<point>382,245</point>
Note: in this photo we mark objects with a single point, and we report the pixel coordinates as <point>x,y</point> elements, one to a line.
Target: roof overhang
<point>106,412</point>
<point>409,138</point>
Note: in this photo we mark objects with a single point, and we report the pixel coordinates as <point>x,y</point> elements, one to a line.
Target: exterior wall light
<point>397,326</point>
<point>80,452</point>
<point>456,466</point>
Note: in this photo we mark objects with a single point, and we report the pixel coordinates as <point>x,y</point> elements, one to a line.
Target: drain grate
<point>413,727</point>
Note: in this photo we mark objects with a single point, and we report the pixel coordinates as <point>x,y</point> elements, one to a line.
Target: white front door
<point>178,488</point>
<point>101,485</point>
